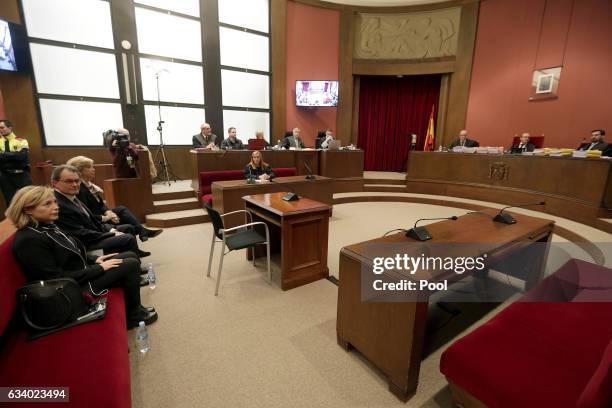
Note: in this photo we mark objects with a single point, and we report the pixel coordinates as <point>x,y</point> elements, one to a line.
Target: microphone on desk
<point>292,196</point>
<point>250,179</point>
<point>309,170</point>
<point>421,233</point>
<point>506,218</point>
<point>413,142</point>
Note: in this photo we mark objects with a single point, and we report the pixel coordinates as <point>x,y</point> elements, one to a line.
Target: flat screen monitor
<point>14,56</point>
<point>316,93</point>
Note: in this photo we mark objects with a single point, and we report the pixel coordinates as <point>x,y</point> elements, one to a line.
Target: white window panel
<point>69,71</point>
<point>189,7</point>
<point>180,83</point>
<point>85,22</point>
<point>244,50</point>
<point>75,123</point>
<point>245,90</point>
<point>251,14</point>
<point>168,36</point>
<point>179,127</point>
<point>247,123</point>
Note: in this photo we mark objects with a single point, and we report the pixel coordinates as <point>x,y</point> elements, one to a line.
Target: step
<point>384,181</point>
<point>386,188</point>
<point>178,204</point>
<point>177,218</point>
<point>174,195</point>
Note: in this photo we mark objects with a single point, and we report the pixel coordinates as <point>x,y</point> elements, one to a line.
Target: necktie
<point>462,143</point>
<point>7,146</point>
<point>81,207</point>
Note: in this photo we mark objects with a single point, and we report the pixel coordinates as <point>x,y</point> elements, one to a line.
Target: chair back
<point>215,218</point>
<point>11,279</point>
<point>257,144</point>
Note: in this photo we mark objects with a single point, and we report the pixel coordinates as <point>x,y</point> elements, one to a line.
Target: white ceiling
<point>384,3</point>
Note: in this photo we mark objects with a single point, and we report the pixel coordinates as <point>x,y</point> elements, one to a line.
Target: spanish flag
<point>430,138</point>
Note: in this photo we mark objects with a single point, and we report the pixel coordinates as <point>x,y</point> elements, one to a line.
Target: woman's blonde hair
<point>80,162</point>
<point>26,198</point>
<point>262,163</point>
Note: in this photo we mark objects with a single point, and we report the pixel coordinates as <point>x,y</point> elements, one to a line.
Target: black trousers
<point>126,217</point>
<point>11,182</point>
<point>122,243</point>
<point>126,276</point>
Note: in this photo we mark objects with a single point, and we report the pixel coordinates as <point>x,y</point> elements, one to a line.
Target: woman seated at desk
<point>257,168</point>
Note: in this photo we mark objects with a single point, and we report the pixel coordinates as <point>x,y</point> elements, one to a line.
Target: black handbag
<point>51,304</point>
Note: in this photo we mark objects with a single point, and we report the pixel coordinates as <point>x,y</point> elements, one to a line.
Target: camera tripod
<point>164,171</point>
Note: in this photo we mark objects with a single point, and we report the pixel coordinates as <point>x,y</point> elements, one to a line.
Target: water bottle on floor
<point>142,338</point>
<point>151,276</point>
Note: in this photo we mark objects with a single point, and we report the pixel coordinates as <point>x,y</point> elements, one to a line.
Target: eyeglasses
<point>71,181</point>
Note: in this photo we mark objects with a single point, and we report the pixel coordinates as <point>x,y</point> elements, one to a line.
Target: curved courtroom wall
<point>515,37</point>
<point>313,37</point>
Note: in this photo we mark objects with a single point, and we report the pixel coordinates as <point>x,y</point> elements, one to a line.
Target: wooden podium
<point>299,231</point>
<point>392,335</point>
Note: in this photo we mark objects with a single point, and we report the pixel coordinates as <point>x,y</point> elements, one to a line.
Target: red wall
<point>2,106</point>
<point>515,37</point>
<point>313,37</point>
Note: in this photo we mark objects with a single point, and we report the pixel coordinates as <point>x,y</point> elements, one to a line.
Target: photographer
<point>123,152</point>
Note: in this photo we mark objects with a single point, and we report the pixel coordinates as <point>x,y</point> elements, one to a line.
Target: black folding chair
<point>240,237</point>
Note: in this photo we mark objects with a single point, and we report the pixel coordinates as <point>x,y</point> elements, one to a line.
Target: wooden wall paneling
<point>344,119</point>
<point>209,13</point>
<point>355,125</point>
<point>404,67</point>
<point>442,136</point>
<point>459,89</point>
<point>278,34</point>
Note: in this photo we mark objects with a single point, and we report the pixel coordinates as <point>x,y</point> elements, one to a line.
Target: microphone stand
<point>165,172</point>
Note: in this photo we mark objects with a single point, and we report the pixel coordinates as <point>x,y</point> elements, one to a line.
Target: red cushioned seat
<point>90,359</point>
<point>598,392</point>
<point>534,355</point>
<point>285,171</point>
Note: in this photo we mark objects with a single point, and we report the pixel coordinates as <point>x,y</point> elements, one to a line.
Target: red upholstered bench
<point>90,359</point>
<point>549,349</point>
<point>209,177</point>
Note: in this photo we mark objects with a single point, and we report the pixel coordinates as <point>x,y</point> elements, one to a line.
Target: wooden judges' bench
<point>345,167</point>
<point>574,188</point>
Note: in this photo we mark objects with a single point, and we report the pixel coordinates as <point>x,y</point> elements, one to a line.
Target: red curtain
<point>390,109</point>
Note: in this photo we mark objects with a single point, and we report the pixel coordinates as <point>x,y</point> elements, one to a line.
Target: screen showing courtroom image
<point>316,93</point>
<point>7,53</point>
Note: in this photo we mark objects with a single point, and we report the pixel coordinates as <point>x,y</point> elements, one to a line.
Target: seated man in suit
<point>294,140</point>
<point>463,141</point>
<point>329,136</point>
<point>232,142</point>
<point>93,197</point>
<point>205,139</point>
<point>523,145</point>
<point>78,221</point>
<point>597,143</point>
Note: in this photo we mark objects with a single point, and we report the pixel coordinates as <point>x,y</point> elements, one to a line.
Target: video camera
<point>123,141</point>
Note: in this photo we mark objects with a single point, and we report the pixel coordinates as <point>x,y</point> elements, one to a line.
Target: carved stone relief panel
<point>408,35</point>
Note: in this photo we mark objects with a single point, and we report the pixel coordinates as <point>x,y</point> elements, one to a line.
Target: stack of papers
<point>586,153</point>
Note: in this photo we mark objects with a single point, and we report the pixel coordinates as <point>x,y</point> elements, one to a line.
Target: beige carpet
<point>255,345</point>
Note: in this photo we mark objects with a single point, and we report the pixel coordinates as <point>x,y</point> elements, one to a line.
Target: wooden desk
<point>340,164</point>
<point>216,160</point>
<point>299,231</point>
<point>578,189</point>
<point>133,193</point>
<point>227,195</point>
<point>392,335</point>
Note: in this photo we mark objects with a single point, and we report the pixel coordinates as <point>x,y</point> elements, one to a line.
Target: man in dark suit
<point>205,139</point>
<point>294,140</point>
<point>597,143</point>
<point>463,141</point>
<point>523,145</point>
<point>79,221</point>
